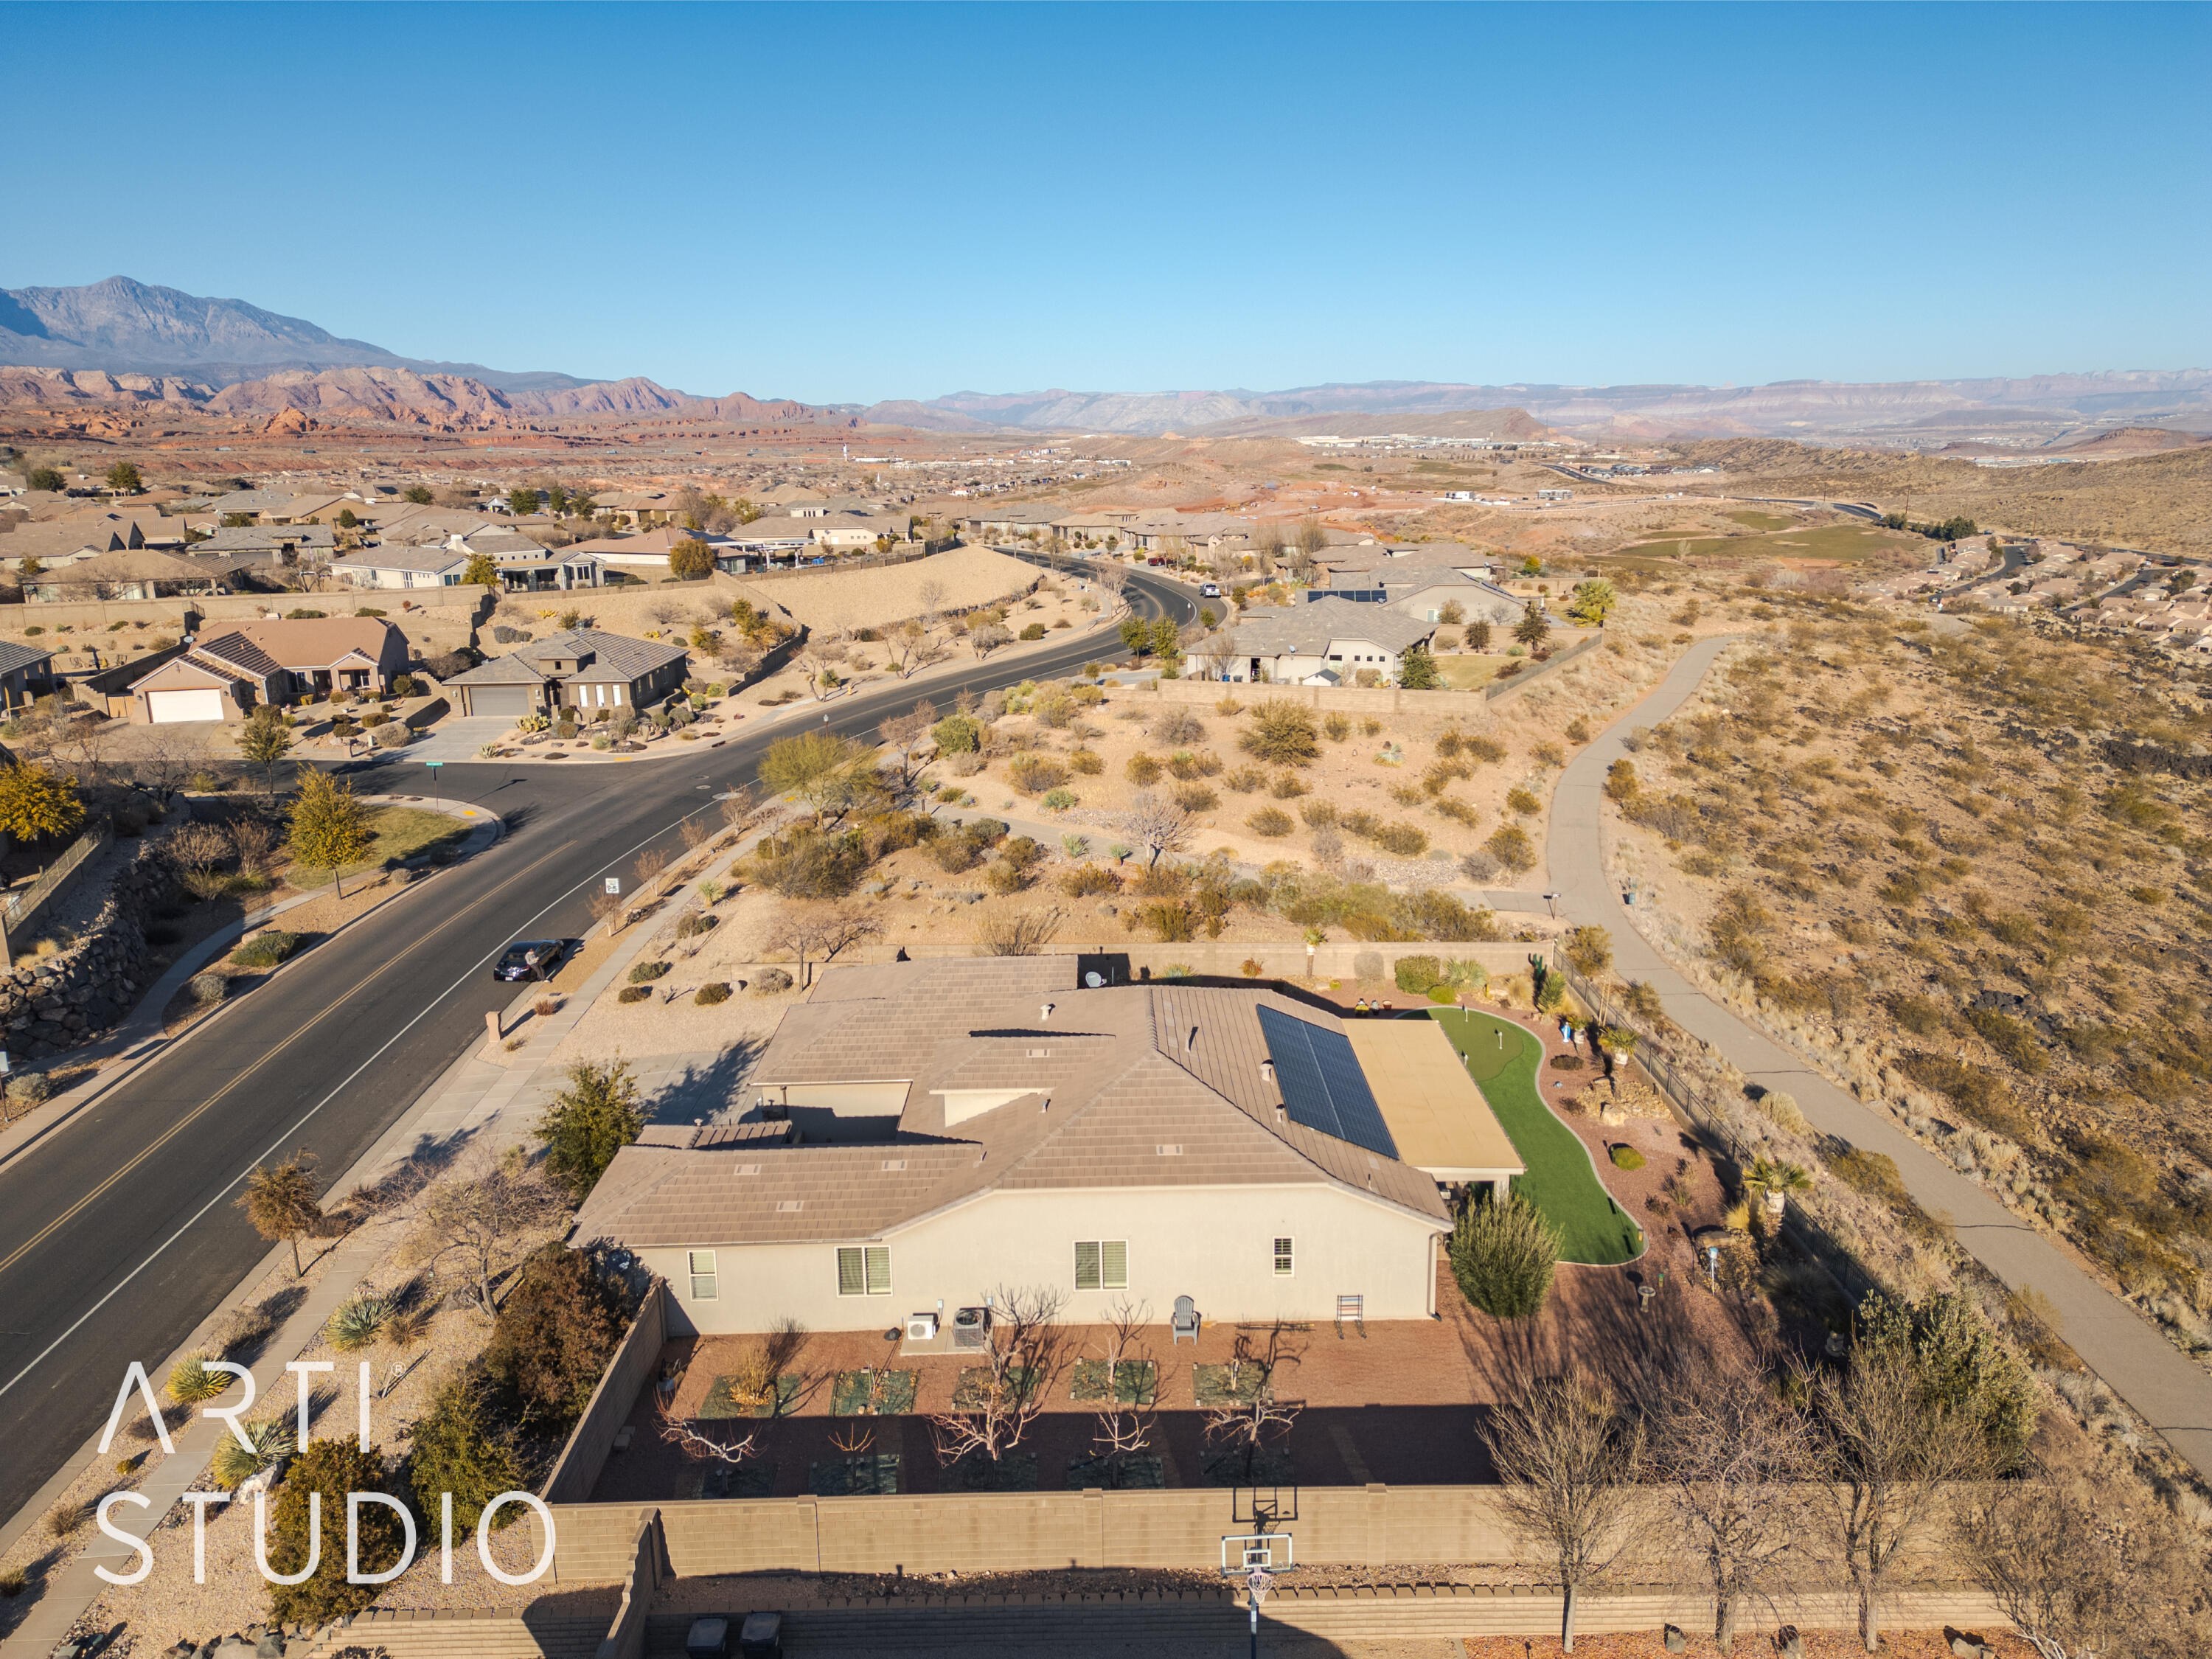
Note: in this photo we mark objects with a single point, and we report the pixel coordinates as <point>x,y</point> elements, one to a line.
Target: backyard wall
<point>1376,700</point>
<point>1281,959</point>
<point>452,603</point>
<point>628,1375</point>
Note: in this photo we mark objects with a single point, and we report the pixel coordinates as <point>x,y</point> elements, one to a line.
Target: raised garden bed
<point>1015,1471</point>
<point>872,1393</point>
<point>968,1395</point>
<point>875,1475</point>
<point>1139,1471</point>
<point>744,1480</point>
<point>1229,1385</point>
<point>1136,1382</point>
<point>722,1401</point>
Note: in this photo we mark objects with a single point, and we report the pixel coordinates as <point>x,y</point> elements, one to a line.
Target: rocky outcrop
<point>83,989</point>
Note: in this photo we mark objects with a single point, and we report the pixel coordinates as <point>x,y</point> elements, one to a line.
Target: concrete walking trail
<point>2167,1389</point>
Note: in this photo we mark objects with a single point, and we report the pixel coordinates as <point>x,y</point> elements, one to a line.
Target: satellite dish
<point>1094,979</point>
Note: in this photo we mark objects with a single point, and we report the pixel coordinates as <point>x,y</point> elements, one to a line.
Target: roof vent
<point>748,1169</point>
<point>790,1206</point>
<point>1164,1151</point>
<point>1190,1042</point>
<point>1040,1054</point>
<point>1044,1013</point>
<point>1267,1071</point>
<point>894,1164</point>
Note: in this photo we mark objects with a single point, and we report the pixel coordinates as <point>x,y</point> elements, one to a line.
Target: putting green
<point>1504,1059</point>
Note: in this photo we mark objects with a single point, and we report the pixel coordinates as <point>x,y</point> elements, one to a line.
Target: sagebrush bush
<point>646,972</point>
<point>1143,770</point>
<point>772,981</point>
<point>267,950</point>
<point>1269,821</point>
<point>707,995</point>
<point>1281,732</point>
<point>633,993</point>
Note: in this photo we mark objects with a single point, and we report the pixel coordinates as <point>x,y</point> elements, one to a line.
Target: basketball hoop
<point>1257,1581</point>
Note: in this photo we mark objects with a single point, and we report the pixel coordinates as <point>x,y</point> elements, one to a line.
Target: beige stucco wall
<point>1213,1244</point>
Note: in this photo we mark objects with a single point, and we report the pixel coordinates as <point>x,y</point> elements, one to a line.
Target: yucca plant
<point>192,1381</point>
<point>272,1439</point>
<point>359,1321</point>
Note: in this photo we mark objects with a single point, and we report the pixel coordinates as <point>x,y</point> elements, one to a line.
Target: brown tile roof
<point>309,642</point>
<point>1117,1092</point>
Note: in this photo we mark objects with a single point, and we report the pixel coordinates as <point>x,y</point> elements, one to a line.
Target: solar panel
<point>1323,1087</point>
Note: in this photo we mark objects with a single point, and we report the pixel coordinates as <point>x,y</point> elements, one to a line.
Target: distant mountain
<point>125,327</point>
<point>1930,412</point>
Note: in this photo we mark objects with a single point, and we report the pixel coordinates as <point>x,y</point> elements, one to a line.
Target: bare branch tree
<point>931,596</point>
<point>695,1445</point>
<point>1732,1460</point>
<point>997,1399</point>
<point>1125,1419</point>
<point>1255,1416</point>
<point>820,932</point>
<point>1158,822</point>
<point>1569,1458</point>
<point>1015,931</point>
<point>482,1221</point>
<point>904,733</point>
<point>1887,1446</point>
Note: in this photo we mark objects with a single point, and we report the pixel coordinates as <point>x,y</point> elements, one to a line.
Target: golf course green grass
<point>1504,1059</point>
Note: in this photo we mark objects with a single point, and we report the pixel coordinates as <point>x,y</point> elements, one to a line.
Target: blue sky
<point>849,204</point>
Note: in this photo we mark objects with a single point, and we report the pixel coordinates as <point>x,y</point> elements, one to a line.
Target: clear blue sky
<point>889,202</point>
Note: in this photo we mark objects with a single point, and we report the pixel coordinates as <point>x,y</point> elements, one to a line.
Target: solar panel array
<point>1323,1087</point>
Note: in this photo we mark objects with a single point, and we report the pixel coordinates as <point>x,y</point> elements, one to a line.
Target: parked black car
<point>533,959</point>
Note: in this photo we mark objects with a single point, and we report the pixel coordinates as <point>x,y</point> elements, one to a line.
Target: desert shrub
<point>1177,728</point>
<point>1404,840</point>
<point>267,950</point>
<point>1245,780</point>
<point>1269,821</point>
<point>1085,763</point>
<point>1503,1255</point>
<point>1625,1157</point>
<point>771,981</point>
<point>1035,774</point>
<point>192,1382</point>
<point>1058,801</point>
<point>29,1089</point>
<point>359,1321</point>
<point>633,993</point>
<point>1485,749</point>
<point>1417,974</point>
<point>708,994</point>
<point>1318,814</point>
<point>1033,631</point>
<point>332,1468</point>
<point>1195,797</point>
<point>1522,801</point>
<point>1337,728</point>
<point>1443,995</point>
<point>806,862</point>
<point>272,1440</point>
<point>1086,879</point>
<point>1142,769</point>
<point>1281,733</point>
<point>953,854</point>
<point>1510,845</point>
<point>1288,786</point>
<point>645,973</point>
<point>1782,1108</point>
<point>553,1337</point>
<point>695,923</point>
<point>1565,1062</point>
<point>1588,950</point>
<point>957,734</point>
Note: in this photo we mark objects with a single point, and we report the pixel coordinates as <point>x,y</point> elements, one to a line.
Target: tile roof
<point>262,539</point>
<point>603,653</point>
<point>13,656</point>
<point>1126,1086</point>
<point>1306,631</point>
<point>308,641</point>
<point>435,556</point>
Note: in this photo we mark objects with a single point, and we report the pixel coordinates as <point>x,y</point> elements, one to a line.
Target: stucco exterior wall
<point>1215,1245</point>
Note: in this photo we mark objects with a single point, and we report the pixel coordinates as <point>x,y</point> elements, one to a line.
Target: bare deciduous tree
<point>1125,1417</point>
<point>1731,1461</point>
<point>1158,822</point>
<point>904,733</point>
<point>482,1221</point>
<point>1000,1398</point>
<point>930,595</point>
<point>694,1443</point>
<point>163,764</point>
<point>1887,1447</point>
<point>820,932</point>
<point>1256,1415</point>
<point>1569,1458</point>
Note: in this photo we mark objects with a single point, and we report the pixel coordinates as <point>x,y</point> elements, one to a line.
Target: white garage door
<point>167,706</point>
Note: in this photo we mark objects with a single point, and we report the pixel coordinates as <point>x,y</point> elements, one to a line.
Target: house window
<point>619,697</point>
<point>1102,1264</point>
<point>864,1270</point>
<point>1284,1261</point>
<point>702,1275</point>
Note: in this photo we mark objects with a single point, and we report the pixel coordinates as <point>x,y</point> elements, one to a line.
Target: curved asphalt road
<point>2168,1390</point>
<point>117,1230</point>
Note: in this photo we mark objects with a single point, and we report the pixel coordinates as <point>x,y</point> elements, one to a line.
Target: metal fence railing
<point>1705,1113</point>
<point>23,907</point>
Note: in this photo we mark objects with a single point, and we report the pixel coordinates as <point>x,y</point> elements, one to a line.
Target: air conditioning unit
<point>971,1328</point>
<point>921,1328</point>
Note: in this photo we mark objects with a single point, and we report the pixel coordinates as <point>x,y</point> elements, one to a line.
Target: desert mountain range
<point>124,342</point>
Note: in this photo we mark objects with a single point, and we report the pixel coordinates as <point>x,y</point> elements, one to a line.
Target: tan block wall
<point>628,1374</point>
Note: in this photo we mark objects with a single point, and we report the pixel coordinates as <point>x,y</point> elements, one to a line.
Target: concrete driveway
<point>458,738</point>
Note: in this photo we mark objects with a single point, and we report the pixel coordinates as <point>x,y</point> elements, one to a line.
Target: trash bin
<point>710,1639</point>
<point>762,1638</point>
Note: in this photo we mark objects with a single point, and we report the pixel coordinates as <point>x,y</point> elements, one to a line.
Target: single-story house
<point>139,574</point>
<point>435,565</point>
<point>928,1131</point>
<point>1425,594</point>
<point>26,674</point>
<point>226,673</point>
<point>530,566</point>
<point>1096,527</point>
<point>1359,564</point>
<point>81,536</point>
<point>1015,520</point>
<point>1327,642</point>
<point>646,554</point>
<point>633,506</point>
<point>581,668</point>
<point>1200,532</point>
<point>277,506</point>
<point>288,541</point>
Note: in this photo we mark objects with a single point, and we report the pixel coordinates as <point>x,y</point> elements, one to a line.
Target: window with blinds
<point>864,1270</point>
<point>1102,1264</point>
<point>1282,1258</point>
<point>702,1275</point>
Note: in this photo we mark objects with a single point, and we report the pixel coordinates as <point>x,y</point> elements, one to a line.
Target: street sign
<point>614,885</point>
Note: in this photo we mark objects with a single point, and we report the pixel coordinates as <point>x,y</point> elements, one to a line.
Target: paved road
<point>117,1231</point>
<point>2167,1390</point>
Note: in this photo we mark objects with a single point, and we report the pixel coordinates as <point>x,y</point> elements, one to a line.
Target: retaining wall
<point>88,986</point>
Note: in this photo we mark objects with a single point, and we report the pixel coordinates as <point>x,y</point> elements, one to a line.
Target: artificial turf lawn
<point>1560,1182</point>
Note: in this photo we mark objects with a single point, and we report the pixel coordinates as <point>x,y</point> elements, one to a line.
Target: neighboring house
<point>633,506</point>
<point>82,535</point>
<point>288,542</point>
<point>434,566</point>
<point>1362,564</point>
<point>928,1133</point>
<point>646,555</point>
<point>225,673</point>
<point>276,506</point>
<point>1326,642</point>
<point>1423,595</point>
<point>582,668</point>
<point>26,674</point>
<point>1095,528</point>
<point>139,574</point>
<point>1014,520</point>
<point>1200,532</point>
<point>530,566</point>
<point>421,526</point>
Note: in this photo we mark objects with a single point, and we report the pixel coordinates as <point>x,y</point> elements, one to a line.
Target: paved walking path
<point>2166,1387</point>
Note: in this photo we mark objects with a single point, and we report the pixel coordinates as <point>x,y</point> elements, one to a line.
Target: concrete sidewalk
<point>2168,1390</point>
